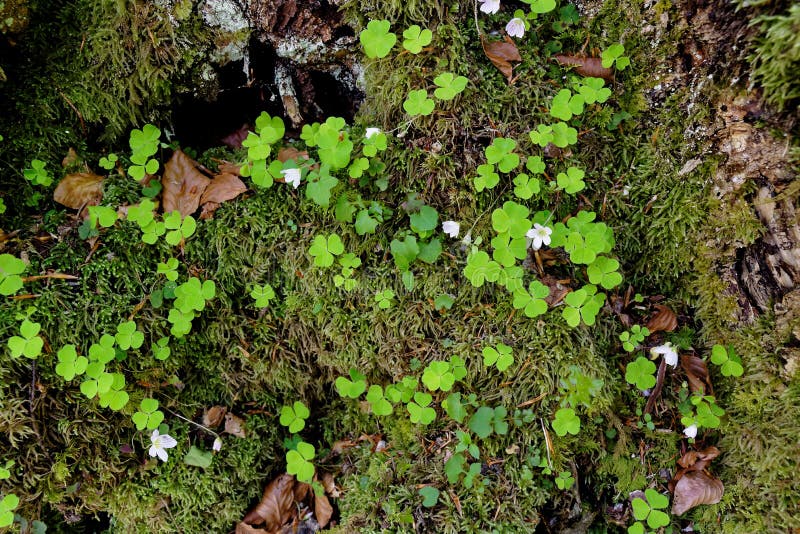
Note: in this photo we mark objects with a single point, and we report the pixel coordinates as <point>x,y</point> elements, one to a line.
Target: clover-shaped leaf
<point>501,152</point>
<point>565,105</point>
<point>161,350</point>
<point>525,186</point>
<point>178,228</point>
<point>378,402</point>
<point>641,373</point>
<point>507,249</point>
<point>37,174</point>
<point>415,38</point>
<point>418,103</point>
<point>262,295</point>
<point>320,184</point>
<point>419,410</point>
<point>593,91</point>
<point>449,85</point>
<point>437,375</point>
<point>181,321</point>
<point>487,178</point>
<point>572,180</point>
<point>351,388</point>
<point>480,268</point>
<point>323,249</point>
<point>511,218</point>
<point>145,141</point>
<point>531,301</point>
<point>730,363</point>
<point>566,422</point>
<point>149,416</point>
<point>384,298</point>
<point>128,337</point>
<point>294,416</point>
<point>192,295</point>
<point>107,163</point>
<point>298,462</point>
<point>70,364</point>
<point>583,304</point>
<point>271,129</point>
<point>603,271</point>
<point>405,251</point>
<point>376,39</point>
<point>649,509</point>
<point>501,357</point>
<point>105,216</point>
<point>28,343</point>
<point>8,504</point>
<point>613,54</point>
<point>103,351</point>
<point>10,269</point>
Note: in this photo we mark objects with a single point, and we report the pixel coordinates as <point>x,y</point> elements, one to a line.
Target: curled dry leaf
<point>697,374</point>
<point>558,290</point>
<point>208,210</point>
<point>330,485</point>
<point>70,159</point>
<point>222,188</point>
<point>234,425</point>
<point>213,416</point>
<point>230,168</point>
<point>586,66</point>
<point>696,488</point>
<point>663,320</point>
<point>183,184</point>
<point>698,460</point>
<point>322,510</point>
<point>286,153</point>
<point>244,528</point>
<point>501,54</point>
<point>276,506</point>
<point>78,190</point>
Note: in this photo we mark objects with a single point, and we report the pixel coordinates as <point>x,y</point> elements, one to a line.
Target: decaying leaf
<point>213,416</point>
<point>558,290</point>
<point>697,374</point>
<point>235,138</point>
<point>234,425</point>
<point>78,190</point>
<point>694,489</point>
<point>276,506</point>
<point>208,210</point>
<point>230,168</point>
<point>183,184</point>
<point>501,54</point>
<point>288,152</point>
<point>663,320</point>
<point>244,528</point>
<point>693,485</point>
<point>71,158</point>
<point>322,509</point>
<point>222,188</point>
<point>586,66</point>
<point>329,484</point>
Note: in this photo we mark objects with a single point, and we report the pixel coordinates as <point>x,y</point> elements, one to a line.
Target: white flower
<point>217,446</point>
<point>490,6</point>
<point>467,240</point>
<point>670,354</point>
<point>451,228</point>
<point>515,27</point>
<point>690,431</point>
<point>371,131</point>
<point>539,235</point>
<point>292,176</point>
<point>160,444</point>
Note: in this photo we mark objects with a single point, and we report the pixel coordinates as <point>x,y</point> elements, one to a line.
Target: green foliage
<point>480,268</point>
<point>404,252</point>
<point>376,39</point>
<point>603,271</point>
<point>486,420</point>
<point>10,270</point>
<point>579,388</point>
<point>192,295</point>
<point>564,480</point>
<point>104,216</point>
<point>418,103</point>
<point>776,58</point>
<point>560,134</point>
<point>320,183</point>
<point>566,422</point>
<point>634,337</point>
<point>70,364</point>
<point>572,180</point>
<point>613,56</point>
<point>198,458</point>
<point>169,269</point>
<point>7,507</point>
<point>351,388</point>
<point>501,153</point>
<point>115,397</point>
<point>148,417</point>
<point>298,461</point>
<point>262,295</point>
<point>178,228</point>
<point>108,162</point>
<point>415,38</point>
<point>323,249</point>
<point>383,299</point>
<point>449,85</point>
<point>702,411</point>
<point>294,416</point>
<point>128,337</point>
<point>161,350</point>
<point>443,302</point>
<point>144,144</point>
<point>730,363</point>
<point>424,221</point>
<point>593,91</point>
<point>565,105</point>
<point>650,509</point>
<point>28,343</point>
<point>541,6</point>
<point>582,305</point>
<point>525,186</point>
<point>36,174</point>
<point>379,404</point>
<point>430,496</point>
<point>641,373</point>
<point>487,178</point>
<point>531,301</point>
<point>419,409</point>
<point>438,375</point>
<point>501,357</point>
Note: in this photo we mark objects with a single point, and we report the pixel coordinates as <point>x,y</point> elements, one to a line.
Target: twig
<point>662,370</point>
<point>58,276</point>
<point>78,113</point>
<point>193,423</point>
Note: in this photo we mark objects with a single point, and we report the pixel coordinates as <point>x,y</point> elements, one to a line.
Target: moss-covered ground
<point>80,467</point>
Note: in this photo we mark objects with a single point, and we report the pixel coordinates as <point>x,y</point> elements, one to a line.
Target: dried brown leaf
<point>663,320</point>
<point>208,210</point>
<point>222,188</point>
<point>183,184</point>
<point>235,138</point>
<point>230,168</point>
<point>276,506</point>
<point>330,485</point>
<point>79,189</point>
<point>697,374</point>
<point>71,158</point>
<point>557,290</point>
<point>234,425</point>
<point>244,528</point>
<point>501,54</point>
<point>586,66</point>
<point>322,509</point>
<point>213,416</point>
<point>698,460</point>
<point>696,488</point>
<point>288,152</point>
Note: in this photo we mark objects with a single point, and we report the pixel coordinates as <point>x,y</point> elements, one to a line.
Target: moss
<point>777,57</point>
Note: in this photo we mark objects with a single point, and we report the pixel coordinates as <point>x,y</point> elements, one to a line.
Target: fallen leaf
<point>586,66</point>
<point>213,416</point>
<point>208,210</point>
<point>456,501</point>
<point>230,168</point>
<point>698,460</point>
<point>222,188</point>
<point>78,190</point>
<point>663,320</point>
<point>557,290</point>
<point>70,159</point>
<point>501,54</point>
<point>276,506</point>
<point>696,488</point>
<point>234,425</point>
<point>322,509</point>
<point>329,484</point>
<point>287,153</point>
<point>244,528</point>
<point>339,447</point>
<point>183,184</point>
<point>235,138</point>
<point>697,374</point>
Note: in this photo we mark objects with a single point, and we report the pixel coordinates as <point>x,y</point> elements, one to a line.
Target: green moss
<point>776,58</point>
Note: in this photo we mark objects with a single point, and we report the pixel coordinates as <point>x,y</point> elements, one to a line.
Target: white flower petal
<point>490,6</point>
<point>451,228</point>
<point>167,442</point>
<point>292,176</point>
<point>515,27</point>
<point>153,450</point>
<point>690,431</point>
<point>669,353</point>
<point>371,131</point>
<point>217,446</point>
<point>162,454</point>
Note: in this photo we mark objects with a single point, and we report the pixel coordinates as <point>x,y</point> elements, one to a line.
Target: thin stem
<point>179,416</point>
